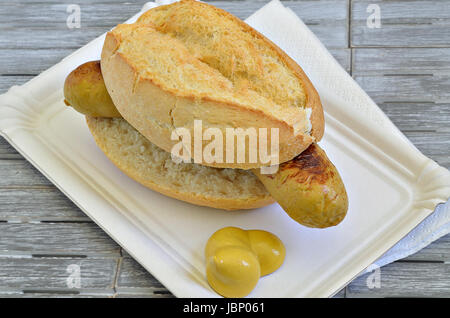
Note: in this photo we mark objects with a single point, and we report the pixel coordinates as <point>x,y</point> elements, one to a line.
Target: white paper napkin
<point>286,29</point>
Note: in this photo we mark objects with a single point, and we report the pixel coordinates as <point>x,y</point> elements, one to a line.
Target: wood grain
<point>7,151</point>
<point>404,66</point>
<point>38,61</point>
<point>37,275</point>
<point>412,116</point>
<point>328,19</point>
<point>36,205</point>
<point>20,173</point>
<point>403,24</point>
<point>407,88</point>
<point>410,85</point>
<point>56,240</point>
<point>382,61</point>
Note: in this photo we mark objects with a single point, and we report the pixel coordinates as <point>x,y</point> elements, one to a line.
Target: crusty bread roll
<point>228,189</point>
<point>190,60</point>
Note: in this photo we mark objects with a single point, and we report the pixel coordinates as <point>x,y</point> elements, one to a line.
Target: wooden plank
<point>56,239</point>
<point>92,15</point>
<point>7,151</point>
<point>403,23</point>
<point>34,205</point>
<point>134,279</point>
<point>407,88</point>
<point>419,106</point>
<point>37,60</point>
<point>410,86</point>
<point>47,22</point>
<point>21,174</point>
<point>429,117</point>
<point>44,38</point>
<point>405,279</point>
<point>49,275</point>
<point>108,13</point>
<point>381,61</point>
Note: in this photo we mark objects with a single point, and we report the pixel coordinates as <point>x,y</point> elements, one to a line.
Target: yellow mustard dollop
<point>237,258</point>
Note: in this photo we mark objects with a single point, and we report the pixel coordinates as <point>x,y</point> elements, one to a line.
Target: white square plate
<point>391,186</point>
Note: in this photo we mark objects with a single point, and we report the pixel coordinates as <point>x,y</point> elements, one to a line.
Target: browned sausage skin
<point>309,189</point>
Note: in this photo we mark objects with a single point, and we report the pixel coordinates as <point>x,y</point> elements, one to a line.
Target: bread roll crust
<point>155,104</point>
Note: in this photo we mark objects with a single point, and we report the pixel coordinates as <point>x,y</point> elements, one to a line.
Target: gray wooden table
<point>404,66</point>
